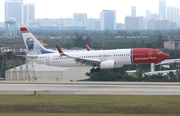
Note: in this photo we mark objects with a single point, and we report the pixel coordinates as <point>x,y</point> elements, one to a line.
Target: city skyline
<point>65,9</point>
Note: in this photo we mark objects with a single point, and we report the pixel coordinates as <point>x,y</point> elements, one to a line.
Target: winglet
<point>59,49</point>
<point>88,48</point>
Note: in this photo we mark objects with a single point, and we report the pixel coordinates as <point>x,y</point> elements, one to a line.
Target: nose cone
<point>166,56</point>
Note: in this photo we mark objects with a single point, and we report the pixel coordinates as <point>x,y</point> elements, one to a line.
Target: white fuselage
<point>121,57</point>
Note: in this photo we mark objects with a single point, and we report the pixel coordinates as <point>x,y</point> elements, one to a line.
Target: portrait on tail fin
<point>30,46</point>
<point>30,43</point>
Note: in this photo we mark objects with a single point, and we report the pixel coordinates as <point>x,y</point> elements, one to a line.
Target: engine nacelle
<point>108,64</point>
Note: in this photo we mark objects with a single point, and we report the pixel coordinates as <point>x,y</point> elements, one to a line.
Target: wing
<point>83,61</point>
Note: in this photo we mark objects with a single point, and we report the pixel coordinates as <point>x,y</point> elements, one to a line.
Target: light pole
<point>178,72</point>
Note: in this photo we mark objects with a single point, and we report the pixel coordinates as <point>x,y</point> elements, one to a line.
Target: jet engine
<point>108,64</point>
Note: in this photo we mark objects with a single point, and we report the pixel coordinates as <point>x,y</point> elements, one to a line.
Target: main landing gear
<point>94,70</point>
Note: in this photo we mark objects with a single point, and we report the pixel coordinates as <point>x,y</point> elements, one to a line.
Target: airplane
<point>98,59</point>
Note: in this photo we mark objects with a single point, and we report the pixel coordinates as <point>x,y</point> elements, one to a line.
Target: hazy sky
<point>66,8</point>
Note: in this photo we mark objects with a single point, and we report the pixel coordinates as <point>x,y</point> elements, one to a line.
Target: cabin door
<point>47,59</point>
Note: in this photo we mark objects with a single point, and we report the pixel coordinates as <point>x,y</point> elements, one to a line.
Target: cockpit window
<point>160,52</point>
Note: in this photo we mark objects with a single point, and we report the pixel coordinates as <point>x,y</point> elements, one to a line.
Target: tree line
<point>120,74</point>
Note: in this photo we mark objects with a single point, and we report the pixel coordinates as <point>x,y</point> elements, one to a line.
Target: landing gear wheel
<point>97,69</point>
<point>92,70</point>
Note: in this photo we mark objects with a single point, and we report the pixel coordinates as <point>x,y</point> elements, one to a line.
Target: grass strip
<point>98,104</point>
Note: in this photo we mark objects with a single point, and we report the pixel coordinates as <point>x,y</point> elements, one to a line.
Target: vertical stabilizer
<point>33,46</point>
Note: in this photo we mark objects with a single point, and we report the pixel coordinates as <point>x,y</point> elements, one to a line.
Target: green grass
<point>80,114</point>
<point>87,105</point>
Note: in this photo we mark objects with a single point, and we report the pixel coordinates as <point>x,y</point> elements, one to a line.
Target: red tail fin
<point>24,30</point>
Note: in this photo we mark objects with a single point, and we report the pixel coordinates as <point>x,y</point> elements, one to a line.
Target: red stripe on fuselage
<point>144,55</point>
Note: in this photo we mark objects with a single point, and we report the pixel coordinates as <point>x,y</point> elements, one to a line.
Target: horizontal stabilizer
<point>27,56</point>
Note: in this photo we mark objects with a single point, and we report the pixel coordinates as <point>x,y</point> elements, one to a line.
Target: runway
<point>102,89</point>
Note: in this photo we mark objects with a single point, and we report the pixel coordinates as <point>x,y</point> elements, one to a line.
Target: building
<point>80,18</point>
<point>120,26</point>
<point>57,24</point>
<point>150,24</point>
<point>148,14</point>
<point>44,73</point>
<point>161,25</point>
<point>173,25</point>
<point>108,20</point>
<point>162,8</point>
<point>14,8</point>
<point>173,14</point>
<point>172,44</point>
<point>163,73</point>
<point>133,11</point>
<point>134,23</point>
<point>93,24</point>
<point>164,25</point>
<point>156,16</point>
<point>29,13</point>
<point>147,17</point>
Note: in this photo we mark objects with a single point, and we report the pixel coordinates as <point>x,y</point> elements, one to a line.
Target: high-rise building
<point>173,14</point>
<point>133,11</point>
<point>162,8</point>
<point>14,8</point>
<point>120,26</point>
<point>93,24</point>
<point>148,14</point>
<point>29,13</point>
<point>134,23</point>
<point>162,25</point>
<point>80,18</point>
<point>150,24</point>
<point>108,20</point>
<point>148,17</point>
<point>156,17</point>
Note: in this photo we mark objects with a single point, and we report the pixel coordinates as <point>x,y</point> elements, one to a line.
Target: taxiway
<point>102,89</point>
